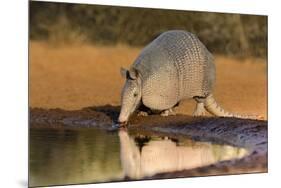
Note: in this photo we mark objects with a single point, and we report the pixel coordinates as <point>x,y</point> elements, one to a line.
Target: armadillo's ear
<point>123,72</point>
<point>133,74</point>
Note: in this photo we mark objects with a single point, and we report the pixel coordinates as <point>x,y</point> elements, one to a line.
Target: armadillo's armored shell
<point>175,66</point>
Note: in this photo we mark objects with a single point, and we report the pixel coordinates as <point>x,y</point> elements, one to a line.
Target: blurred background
<point>228,34</point>
<point>76,51</point>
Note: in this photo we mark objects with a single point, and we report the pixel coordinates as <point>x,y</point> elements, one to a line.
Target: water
<point>60,156</point>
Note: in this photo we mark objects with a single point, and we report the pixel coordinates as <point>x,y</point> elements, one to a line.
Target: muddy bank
<point>100,117</point>
<point>249,134</point>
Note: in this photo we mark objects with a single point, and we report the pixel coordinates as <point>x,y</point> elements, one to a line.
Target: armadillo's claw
<point>142,113</point>
<point>198,114</point>
<point>168,112</point>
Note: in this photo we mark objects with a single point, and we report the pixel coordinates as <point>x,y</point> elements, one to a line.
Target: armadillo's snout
<point>123,116</point>
<point>122,120</point>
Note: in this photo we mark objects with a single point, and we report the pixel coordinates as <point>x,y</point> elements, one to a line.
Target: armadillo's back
<point>176,65</point>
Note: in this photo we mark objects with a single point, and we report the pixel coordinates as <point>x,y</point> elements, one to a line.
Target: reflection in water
<point>92,155</point>
<point>166,155</point>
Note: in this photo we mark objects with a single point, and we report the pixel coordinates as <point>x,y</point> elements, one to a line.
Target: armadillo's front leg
<point>144,111</point>
<point>168,112</point>
<point>199,109</point>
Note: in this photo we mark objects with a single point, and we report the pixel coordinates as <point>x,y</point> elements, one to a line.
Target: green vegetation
<point>229,34</point>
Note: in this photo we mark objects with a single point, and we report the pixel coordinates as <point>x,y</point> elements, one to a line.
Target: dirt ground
<point>79,76</point>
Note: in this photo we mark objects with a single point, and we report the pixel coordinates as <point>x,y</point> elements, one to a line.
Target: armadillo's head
<point>131,94</point>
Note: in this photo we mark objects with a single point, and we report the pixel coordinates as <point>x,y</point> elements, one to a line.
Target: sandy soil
<point>79,76</point>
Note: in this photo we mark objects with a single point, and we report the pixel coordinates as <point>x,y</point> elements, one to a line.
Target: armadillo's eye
<point>135,94</point>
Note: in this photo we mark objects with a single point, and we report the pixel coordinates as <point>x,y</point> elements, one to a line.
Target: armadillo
<point>173,67</point>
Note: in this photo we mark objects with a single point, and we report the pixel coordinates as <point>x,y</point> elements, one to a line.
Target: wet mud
<point>246,133</point>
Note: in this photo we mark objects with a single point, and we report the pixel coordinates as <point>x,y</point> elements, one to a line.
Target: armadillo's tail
<point>214,108</point>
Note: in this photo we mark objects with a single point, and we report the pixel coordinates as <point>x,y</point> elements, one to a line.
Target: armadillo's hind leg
<point>199,109</point>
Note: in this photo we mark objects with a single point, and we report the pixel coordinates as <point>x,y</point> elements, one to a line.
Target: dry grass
<point>73,77</point>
